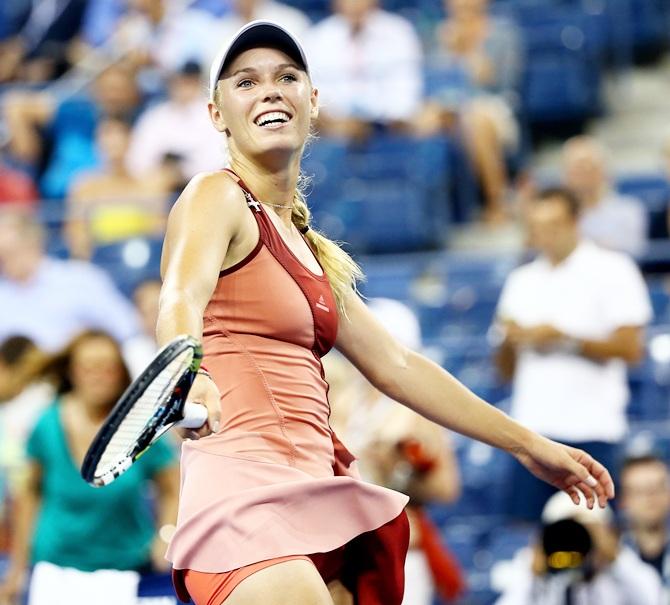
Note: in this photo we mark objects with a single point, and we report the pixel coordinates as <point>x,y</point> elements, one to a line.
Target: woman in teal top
<point>62,522</point>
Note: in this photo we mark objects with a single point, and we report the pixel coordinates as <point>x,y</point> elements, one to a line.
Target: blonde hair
<point>342,271</point>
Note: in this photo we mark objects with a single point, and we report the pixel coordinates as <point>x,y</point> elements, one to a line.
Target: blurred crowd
<point>103,116</point>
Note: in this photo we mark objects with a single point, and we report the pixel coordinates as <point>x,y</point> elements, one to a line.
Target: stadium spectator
<point>39,50</point>
<point>102,17</point>
<point>140,350</point>
<point>22,398</point>
<point>580,559</point>
<point>571,321</point>
<point>88,545</point>
<point>50,300</point>
<point>645,504</point>
<point>152,34</point>
<point>397,448</point>
<point>475,75</point>
<point>69,125</point>
<point>612,220</point>
<point>111,204</point>
<point>177,133</point>
<point>367,65</point>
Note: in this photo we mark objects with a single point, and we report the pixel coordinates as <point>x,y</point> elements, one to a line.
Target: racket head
<point>152,404</point>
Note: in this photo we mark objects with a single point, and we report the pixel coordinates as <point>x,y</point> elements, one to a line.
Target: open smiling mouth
<point>273,119</point>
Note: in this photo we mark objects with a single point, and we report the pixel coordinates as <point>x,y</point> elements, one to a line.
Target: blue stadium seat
<point>373,197</point>
<point>660,299</point>
<point>130,262</point>
<point>562,81</point>
<point>654,191</point>
<point>506,540</point>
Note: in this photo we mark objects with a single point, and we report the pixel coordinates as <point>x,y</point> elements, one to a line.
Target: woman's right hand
<point>205,392</point>
<point>11,587</point>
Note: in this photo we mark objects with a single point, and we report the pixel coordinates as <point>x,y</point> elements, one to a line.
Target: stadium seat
<point>562,80</point>
<point>654,191</point>
<point>130,262</point>
<point>385,203</point>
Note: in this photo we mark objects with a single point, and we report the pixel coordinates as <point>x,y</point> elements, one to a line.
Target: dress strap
<point>252,202</point>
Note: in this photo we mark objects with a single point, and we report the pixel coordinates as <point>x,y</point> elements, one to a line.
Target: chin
<point>277,149</point>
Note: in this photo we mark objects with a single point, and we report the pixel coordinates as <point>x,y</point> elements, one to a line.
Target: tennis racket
<point>151,405</point>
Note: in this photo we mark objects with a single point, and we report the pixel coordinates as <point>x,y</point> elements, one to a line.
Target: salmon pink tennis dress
<point>274,481</point>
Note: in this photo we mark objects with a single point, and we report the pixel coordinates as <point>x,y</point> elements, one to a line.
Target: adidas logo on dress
<point>321,304</point>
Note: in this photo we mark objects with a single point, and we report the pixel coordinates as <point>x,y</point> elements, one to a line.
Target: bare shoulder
<point>210,212</point>
<point>211,195</point>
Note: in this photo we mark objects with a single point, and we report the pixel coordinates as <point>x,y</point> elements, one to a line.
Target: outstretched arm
<point>200,228</point>
<point>425,387</point>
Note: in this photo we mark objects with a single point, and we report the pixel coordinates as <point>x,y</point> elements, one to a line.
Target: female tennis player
<point>272,509</point>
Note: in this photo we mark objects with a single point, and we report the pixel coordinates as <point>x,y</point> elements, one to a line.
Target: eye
<point>288,78</point>
<point>244,84</point>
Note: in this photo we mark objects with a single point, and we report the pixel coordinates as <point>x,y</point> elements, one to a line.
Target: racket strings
<point>147,410</point>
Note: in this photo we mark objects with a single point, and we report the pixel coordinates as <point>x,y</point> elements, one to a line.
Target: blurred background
<point>440,123</point>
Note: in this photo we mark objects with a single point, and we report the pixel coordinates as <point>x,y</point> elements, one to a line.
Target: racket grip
<point>195,415</point>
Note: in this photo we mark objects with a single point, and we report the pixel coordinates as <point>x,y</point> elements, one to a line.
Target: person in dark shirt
<point>645,503</point>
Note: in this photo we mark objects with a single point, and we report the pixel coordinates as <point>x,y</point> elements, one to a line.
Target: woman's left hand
<point>567,469</point>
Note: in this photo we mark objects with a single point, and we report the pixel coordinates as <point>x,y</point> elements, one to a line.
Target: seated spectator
<point>140,350</point>
<point>579,560</point>
<point>50,300</point>
<point>612,220</point>
<point>111,204</point>
<point>69,531</point>
<point>397,448</point>
<point>22,399</point>
<point>571,322</point>
<point>367,65</point>
<point>39,50</point>
<point>244,11</point>
<point>69,126</point>
<point>152,34</point>
<point>644,494</point>
<point>477,66</point>
<point>102,17</point>
<point>177,133</point>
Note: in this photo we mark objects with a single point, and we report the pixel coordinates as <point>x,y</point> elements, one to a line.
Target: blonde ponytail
<point>342,271</point>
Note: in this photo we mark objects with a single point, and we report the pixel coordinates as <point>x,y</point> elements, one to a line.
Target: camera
<point>567,546</point>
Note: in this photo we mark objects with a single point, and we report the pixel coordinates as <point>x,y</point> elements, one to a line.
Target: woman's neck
<point>269,185</point>
<point>88,409</point>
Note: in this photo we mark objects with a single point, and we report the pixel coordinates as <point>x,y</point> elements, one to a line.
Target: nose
<point>272,94</point>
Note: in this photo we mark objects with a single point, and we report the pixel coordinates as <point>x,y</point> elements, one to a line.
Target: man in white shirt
<point>367,65</point>
<point>608,218</point>
<point>571,320</point>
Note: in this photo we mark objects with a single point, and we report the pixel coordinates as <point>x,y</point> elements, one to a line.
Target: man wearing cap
<point>579,561</point>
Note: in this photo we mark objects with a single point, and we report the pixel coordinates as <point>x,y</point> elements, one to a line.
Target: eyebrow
<point>251,70</point>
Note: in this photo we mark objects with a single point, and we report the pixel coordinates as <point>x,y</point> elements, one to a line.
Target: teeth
<point>272,116</point>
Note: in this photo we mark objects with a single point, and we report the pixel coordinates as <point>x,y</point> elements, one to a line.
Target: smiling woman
<point>272,508</point>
